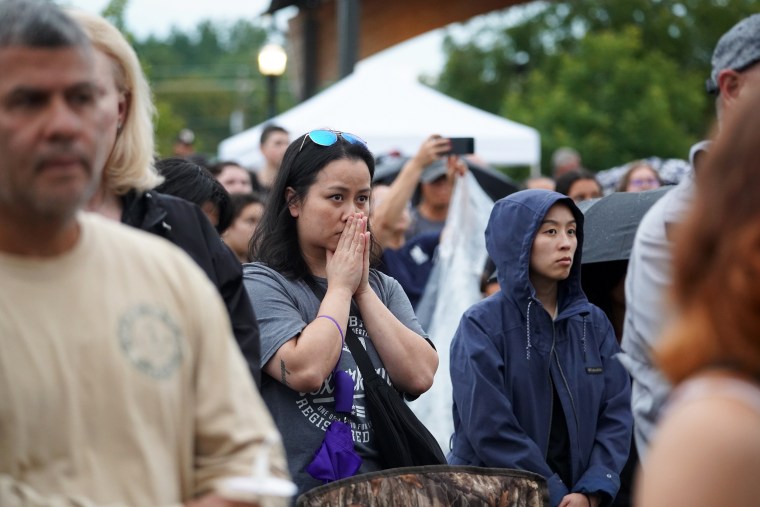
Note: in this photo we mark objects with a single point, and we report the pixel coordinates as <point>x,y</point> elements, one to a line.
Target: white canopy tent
<point>393,113</point>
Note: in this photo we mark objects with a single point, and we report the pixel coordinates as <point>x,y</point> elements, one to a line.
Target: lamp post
<point>272,61</point>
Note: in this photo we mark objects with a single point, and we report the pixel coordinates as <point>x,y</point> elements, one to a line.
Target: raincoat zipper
<point>548,376</point>
<point>551,401</point>
<point>564,379</point>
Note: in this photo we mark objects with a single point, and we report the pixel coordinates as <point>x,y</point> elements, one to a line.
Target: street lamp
<point>272,62</point>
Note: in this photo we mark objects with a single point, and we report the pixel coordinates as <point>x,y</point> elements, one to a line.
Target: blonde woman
<point>129,175</point>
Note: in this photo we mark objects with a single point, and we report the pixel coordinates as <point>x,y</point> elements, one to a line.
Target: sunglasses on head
<point>329,137</point>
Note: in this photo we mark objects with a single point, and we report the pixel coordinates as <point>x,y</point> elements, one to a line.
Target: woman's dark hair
<point>196,184</point>
<point>216,169</point>
<point>488,274</point>
<point>275,242</point>
<point>240,201</point>
<point>269,130</point>
<point>565,182</point>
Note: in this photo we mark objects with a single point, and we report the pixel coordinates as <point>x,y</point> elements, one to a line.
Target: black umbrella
<point>493,183</point>
<point>610,223</point>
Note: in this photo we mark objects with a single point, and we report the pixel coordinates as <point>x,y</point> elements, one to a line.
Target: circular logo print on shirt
<point>151,341</point>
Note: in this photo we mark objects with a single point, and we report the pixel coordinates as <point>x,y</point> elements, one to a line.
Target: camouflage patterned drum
<point>433,486</point>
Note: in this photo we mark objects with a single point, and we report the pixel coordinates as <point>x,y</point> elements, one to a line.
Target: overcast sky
<point>146,17</point>
<point>418,56</point>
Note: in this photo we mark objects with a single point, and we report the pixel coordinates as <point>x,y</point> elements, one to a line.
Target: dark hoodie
<point>508,358</point>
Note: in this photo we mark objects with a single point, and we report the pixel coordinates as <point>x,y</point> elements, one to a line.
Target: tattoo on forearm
<point>283,373</point>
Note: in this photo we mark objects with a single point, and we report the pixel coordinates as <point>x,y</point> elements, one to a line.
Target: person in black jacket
<point>129,176</point>
<point>189,181</point>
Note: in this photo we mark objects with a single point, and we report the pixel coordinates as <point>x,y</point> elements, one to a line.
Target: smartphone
<point>462,145</point>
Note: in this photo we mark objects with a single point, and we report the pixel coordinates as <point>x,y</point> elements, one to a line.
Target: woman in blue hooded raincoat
<point>536,385</point>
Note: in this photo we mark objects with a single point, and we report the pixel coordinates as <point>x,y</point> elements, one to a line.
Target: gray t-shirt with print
<point>283,309</point>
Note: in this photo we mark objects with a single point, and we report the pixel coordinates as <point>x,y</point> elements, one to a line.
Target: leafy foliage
<point>612,101</point>
<point>203,77</point>
<point>114,12</point>
<point>616,80</point>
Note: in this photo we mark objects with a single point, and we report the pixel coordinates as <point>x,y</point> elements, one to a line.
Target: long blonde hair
<point>130,164</point>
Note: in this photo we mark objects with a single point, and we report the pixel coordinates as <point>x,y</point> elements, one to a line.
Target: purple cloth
<point>336,457</point>
<point>344,391</point>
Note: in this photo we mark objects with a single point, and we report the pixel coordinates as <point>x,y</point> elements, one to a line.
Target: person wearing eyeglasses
<point>315,231</point>
<point>639,177</point>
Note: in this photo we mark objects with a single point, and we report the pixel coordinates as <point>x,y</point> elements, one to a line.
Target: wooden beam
<point>314,45</point>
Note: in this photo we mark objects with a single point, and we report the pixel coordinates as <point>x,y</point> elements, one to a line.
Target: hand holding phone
<point>462,145</point>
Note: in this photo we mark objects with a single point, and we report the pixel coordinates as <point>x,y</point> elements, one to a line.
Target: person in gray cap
<point>735,72</point>
<point>436,187</point>
<point>565,160</point>
<point>735,57</point>
<point>433,171</point>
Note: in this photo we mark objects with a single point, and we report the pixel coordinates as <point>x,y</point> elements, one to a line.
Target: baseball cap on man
<point>434,171</point>
<point>738,49</point>
<point>186,136</point>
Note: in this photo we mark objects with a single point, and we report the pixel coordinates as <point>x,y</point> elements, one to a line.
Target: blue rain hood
<point>511,361</point>
<point>512,227</point>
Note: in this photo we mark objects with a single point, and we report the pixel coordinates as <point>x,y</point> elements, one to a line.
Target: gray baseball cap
<point>434,171</point>
<point>738,49</point>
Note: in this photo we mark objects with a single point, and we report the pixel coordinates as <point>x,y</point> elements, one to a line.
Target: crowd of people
<point>166,323</point>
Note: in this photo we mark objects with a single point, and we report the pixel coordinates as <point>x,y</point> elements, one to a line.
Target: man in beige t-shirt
<point>120,381</point>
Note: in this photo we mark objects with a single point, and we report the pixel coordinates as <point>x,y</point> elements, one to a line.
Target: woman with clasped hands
<point>315,230</point>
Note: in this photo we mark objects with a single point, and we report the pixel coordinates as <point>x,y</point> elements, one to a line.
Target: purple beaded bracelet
<point>334,322</point>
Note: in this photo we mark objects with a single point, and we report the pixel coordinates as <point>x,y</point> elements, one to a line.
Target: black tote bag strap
<point>354,345</point>
<point>402,439</point>
<point>360,356</point>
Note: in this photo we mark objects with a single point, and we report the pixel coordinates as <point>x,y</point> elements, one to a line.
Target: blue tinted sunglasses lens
<point>353,139</point>
<point>330,137</point>
<point>323,137</point>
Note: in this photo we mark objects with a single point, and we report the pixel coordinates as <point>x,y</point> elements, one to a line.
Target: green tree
<point>167,124</point>
<point>114,12</point>
<point>612,100</point>
<point>203,76</point>
<point>535,49</point>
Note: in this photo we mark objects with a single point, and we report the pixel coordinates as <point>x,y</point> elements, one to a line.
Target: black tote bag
<point>402,440</point>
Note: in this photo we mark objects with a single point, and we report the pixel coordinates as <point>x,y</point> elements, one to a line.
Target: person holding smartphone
<point>408,256</point>
<point>432,169</point>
